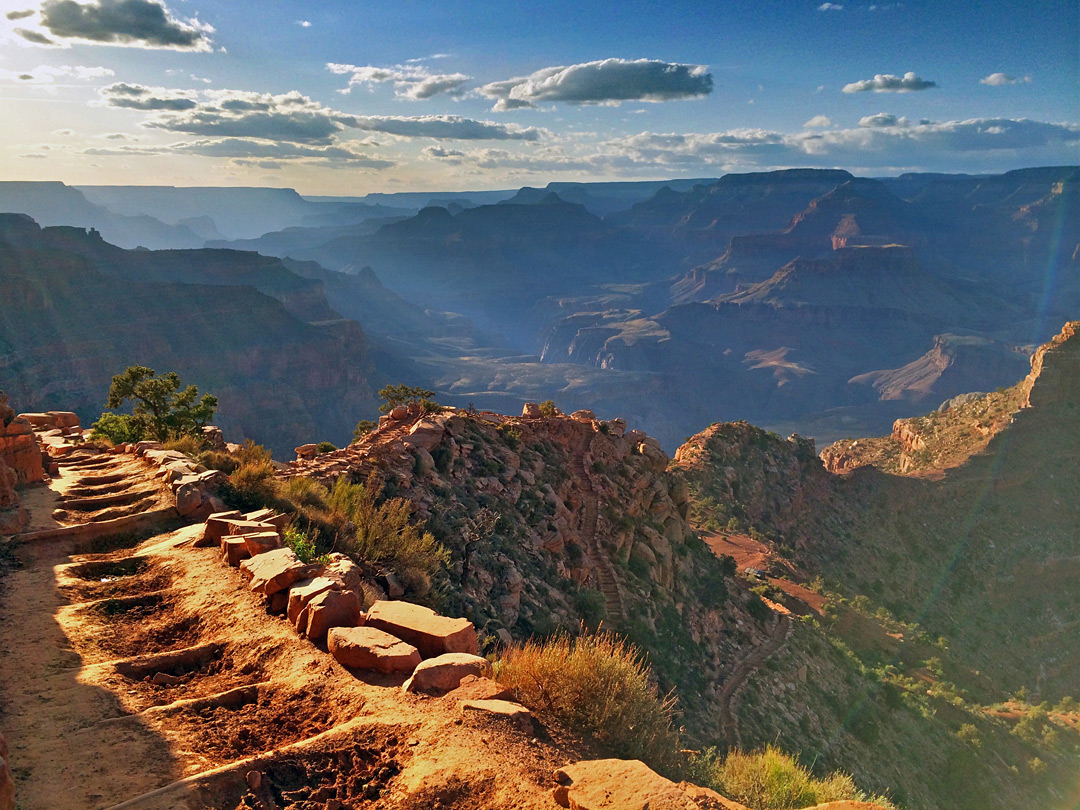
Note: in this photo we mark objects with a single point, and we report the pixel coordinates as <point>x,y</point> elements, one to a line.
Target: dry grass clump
<point>350,518</point>
<point>597,685</point>
<point>769,779</point>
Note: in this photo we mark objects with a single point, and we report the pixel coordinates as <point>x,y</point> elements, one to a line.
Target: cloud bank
<point>412,81</point>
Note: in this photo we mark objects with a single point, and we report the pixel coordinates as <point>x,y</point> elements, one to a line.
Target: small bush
<point>385,536</point>
<point>599,685</point>
<point>189,445</point>
<point>303,546</point>
<point>769,779</point>
<point>363,428</point>
<point>547,408</point>
<point>325,447</point>
<point>117,428</point>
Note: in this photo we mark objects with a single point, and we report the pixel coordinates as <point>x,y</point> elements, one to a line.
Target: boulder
<point>584,415</point>
<point>444,673</point>
<point>617,784</point>
<point>368,648</point>
<point>531,410</point>
<point>391,585</point>
<point>499,710</point>
<point>331,609</point>
<point>214,438</point>
<point>307,451</point>
<point>303,592</point>
<point>426,433</point>
<point>189,497</point>
<point>422,627</point>
<point>344,571</point>
<point>39,420</point>
<point>276,570</point>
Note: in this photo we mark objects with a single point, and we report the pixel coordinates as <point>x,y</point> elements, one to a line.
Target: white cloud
<point>887,83</point>
<point>411,80</point>
<point>608,81</point>
<point>883,120</point>
<point>999,79</point>
<point>304,23</point>
<point>818,121</point>
<point>830,7</point>
<point>134,23</point>
<point>49,74</point>
<point>451,127</point>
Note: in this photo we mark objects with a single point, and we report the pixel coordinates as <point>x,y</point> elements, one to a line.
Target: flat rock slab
<point>618,784</point>
<point>422,627</point>
<point>276,570</point>
<point>237,526</point>
<point>260,542</point>
<point>444,673</point>
<point>499,710</point>
<point>234,550</point>
<point>477,688</point>
<point>369,648</point>
<point>216,527</point>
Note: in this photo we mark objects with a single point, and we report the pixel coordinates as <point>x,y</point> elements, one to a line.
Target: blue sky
<point>351,97</point>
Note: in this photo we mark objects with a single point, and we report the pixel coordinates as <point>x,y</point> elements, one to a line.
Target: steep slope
<point>67,327</point>
<point>933,601</point>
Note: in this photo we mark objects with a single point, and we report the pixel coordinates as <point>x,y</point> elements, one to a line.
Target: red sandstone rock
<point>444,673</point>
<point>260,542</point>
<point>303,592</point>
<point>473,687</point>
<point>499,710</point>
<point>368,648</point>
<point>617,784</point>
<point>276,570</point>
<point>216,527</point>
<point>331,609</point>
<point>422,627</point>
<point>234,550</point>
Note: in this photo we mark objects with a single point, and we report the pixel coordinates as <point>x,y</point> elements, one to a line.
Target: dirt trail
<point>601,564</point>
<point>86,635</point>
<point>733,684</point>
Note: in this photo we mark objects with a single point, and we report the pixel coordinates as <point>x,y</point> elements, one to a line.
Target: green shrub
<point>117,428</point>
<point>385,536</point>
<point>769,779</point>
<point>161,408</point>
<point>189,445</point>
<point>597,685</point>
<point>303,546</point>
<point>547,408</point>
<point>591,606</point>
<point>363,428</point>
<point>325,447</point>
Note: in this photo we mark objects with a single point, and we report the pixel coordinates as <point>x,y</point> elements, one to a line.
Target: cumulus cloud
<point>50,74</point>
<point>608,81</point>
<point>136,23</point>
<point>440,152</point>
<point>887,83</point>
<point>883,120</point>
<point>141,97</point>
<point>411,80</point>
<point>999,79</point>
<point>819,121</point>
<point>20,15</point>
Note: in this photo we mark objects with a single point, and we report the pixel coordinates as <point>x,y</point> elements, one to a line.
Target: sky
<point>349,97</point>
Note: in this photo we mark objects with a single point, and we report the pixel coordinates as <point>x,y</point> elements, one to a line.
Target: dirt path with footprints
<point>147,675</point>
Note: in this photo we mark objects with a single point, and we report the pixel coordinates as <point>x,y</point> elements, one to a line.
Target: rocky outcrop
<point>618,784</point>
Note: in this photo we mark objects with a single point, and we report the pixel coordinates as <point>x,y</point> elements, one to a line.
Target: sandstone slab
<point>473,687</point>
<point>260,542</point>
<point>499,710</point>
<point>234,550</point>
<point>215,527</point>
<point>368,648</point>
<point>444,673</point>
<point>422,627</point>
<point>617,784</point>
